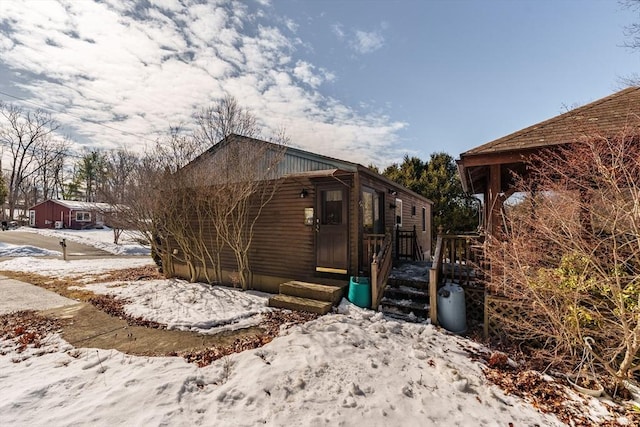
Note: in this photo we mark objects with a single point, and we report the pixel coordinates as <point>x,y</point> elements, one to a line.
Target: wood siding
<point>47,213</point>
<point>283,245</point>
<point>409,200</point>
<point>284,248</point>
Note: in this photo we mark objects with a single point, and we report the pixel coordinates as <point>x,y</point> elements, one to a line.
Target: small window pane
<point>332,207</point>
<point>83,216</point>
<point>367,211</point>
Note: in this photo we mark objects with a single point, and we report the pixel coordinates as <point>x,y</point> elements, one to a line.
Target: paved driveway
<point>52,243</point>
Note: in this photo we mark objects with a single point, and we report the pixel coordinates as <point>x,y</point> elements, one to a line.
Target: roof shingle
<point>606,116</point>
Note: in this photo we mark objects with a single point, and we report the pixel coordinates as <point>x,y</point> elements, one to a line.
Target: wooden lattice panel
<point>496,308</point>
<point>474,301</point>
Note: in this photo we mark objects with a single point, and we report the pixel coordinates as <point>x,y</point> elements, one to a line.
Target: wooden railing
<point>457,258</point>
<point>407,246</point>
<point>371,245</point>
<point>380,270</point>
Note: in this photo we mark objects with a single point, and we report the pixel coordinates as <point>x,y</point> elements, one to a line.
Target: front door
<point>332,229</point>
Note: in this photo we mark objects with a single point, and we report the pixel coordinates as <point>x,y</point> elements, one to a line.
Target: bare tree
<point>142,210</point>
<point>216,122</point>
<point>239,179</point>
<point>118,169</point>
<point>3,189</point>
<point>51,160</point>
<point>250,187</point>
<point>192,207</point>
<point>632,31</point>
<point>146,196</point>
<point>25,134</point>
<point>571,259</point>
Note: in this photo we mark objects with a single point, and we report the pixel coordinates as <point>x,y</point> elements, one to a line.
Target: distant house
<point>326,219</point>
<point>67,214</point>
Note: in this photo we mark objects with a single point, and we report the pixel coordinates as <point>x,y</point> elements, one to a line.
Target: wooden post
<point>374,282</point>
<point>397,231</point>
<point>434,278</point>
<point>63,243</point>
<point>433,296</point>
<point>494,203</point>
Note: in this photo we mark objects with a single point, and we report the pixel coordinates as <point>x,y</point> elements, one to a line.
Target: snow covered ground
<point>7,249</point>
<point>350,368</point>
<point>128,244</point>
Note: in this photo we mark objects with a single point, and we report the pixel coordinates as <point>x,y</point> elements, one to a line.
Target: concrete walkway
<point>83,325</point>
<point>16,295</point>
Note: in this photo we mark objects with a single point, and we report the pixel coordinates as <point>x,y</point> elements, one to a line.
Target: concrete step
<point>300,304</point>
<point>312,291</point>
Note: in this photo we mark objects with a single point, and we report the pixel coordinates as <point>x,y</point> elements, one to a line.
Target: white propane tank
<point>452,312</point>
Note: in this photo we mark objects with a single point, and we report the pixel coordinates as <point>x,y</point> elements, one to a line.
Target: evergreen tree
<point>437,179</point>
<point>91,172</point>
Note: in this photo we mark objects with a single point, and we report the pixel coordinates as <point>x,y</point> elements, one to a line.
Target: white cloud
<point>362,42</point>
<point>306,73</point>
<point>367,42</point>
<point>338,31</point>
<point>157,66</point>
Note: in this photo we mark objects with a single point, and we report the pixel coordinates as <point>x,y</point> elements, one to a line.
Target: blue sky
<point>367,81</point>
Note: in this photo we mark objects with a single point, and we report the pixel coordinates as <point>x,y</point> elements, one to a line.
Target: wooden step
<point>418,284</point>
<point>313,291</point>
<point>398,315</point>
<point>406,292</point>
<point>300,304</point>
<point>397,306</point>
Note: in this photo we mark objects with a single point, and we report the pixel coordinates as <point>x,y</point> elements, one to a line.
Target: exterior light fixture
<point>304,193</point>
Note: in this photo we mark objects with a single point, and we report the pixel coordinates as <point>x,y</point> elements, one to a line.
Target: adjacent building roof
<point>606,116</point>
<point>79,206</point>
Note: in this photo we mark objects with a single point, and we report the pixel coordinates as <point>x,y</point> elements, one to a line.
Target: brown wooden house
<point>326,220</point>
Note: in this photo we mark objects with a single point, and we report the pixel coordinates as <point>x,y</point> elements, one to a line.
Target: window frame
<point>398,210</point>
<point>83,216</point>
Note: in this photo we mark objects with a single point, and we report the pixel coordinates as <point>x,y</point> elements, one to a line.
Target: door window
<point>332,207</point>
<point>371,211</point>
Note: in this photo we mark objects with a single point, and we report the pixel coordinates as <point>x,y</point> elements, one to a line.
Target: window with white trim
<point>83,216</point>
<point>398,213</point>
